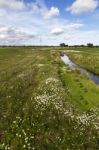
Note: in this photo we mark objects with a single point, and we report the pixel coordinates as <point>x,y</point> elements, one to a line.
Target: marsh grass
<point>44,104</point>
<point>88,60</point>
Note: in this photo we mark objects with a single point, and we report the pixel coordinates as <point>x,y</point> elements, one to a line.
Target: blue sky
<point>52,21</point>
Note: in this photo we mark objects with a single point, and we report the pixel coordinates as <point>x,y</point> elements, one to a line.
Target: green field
<point>44,105</point>
<point>87,58</point>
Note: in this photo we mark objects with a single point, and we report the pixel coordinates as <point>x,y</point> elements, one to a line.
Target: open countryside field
<point>44,105</point>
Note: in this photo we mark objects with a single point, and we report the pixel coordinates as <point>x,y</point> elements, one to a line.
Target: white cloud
<point>83,6</point>
<point>73,26</point>
<point>83,37</point>
<point>57,31</point>
<point>12,35</point>
<point>65,28</point>
<point>12,4</point>
<point>35,21</point>
<point>48,14</point>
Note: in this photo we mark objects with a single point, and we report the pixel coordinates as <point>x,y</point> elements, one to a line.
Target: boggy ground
<point>43,104</point>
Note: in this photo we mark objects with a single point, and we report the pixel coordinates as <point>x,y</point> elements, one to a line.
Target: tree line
<point>91,45</point>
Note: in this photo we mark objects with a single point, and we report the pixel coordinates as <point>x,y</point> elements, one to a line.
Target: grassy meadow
<point>44,105</point>
<point>88,58</point>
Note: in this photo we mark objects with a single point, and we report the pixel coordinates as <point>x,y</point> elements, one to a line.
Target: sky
<point>49,22</point>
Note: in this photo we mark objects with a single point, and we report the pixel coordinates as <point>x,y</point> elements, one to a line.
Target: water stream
<point>67,61</point>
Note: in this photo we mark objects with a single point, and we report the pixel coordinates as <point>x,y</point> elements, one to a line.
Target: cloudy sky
<point>49,22</point>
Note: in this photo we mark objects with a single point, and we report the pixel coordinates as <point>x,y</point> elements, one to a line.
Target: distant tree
<point>62,45</point>
<point>76,46</point>
<point>66,45</point>
<point>90,45</point>
<point>97,46</point>
<point>82,45</point>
